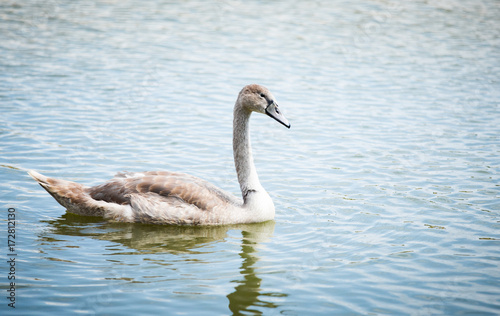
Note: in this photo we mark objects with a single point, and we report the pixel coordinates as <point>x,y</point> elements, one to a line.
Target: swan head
<point>256,98</point>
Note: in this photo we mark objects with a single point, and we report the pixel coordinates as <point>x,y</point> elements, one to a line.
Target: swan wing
<point>153,208</point>
<point>164,190</point>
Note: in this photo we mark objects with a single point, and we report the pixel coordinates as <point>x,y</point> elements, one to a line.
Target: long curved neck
<point>243,159</point>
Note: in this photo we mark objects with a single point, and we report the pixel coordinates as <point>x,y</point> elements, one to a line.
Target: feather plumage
<point>162,197</point>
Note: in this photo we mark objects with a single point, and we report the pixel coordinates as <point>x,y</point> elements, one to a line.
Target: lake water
<point>386,187</point>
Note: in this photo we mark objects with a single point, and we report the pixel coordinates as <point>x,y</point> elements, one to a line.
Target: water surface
<point>386,186</point>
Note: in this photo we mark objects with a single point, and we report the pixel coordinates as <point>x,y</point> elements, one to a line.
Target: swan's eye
<point>263,95</point>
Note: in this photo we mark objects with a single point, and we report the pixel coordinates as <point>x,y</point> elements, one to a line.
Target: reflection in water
<point>247,291</point>
<point>147,239</point>
<point>140,237</point>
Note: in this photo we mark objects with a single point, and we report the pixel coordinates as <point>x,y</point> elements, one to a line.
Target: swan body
<point>162,197</point>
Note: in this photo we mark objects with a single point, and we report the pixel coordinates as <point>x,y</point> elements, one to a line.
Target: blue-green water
<point>386,186</point>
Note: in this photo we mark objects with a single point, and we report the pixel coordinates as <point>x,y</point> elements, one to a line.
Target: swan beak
<point>273,111</point>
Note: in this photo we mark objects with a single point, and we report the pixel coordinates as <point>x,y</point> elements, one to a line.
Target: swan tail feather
<point>75,197</point>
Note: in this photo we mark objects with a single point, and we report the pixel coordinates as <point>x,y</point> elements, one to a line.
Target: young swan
<point>162,197</point>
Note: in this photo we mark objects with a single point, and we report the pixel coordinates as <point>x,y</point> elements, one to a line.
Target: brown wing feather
<point>188,188</point>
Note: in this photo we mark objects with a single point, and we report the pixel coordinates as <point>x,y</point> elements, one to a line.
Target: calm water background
<point>386,186</point>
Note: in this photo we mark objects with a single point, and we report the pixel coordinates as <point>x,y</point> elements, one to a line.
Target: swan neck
<point>243,159</point>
